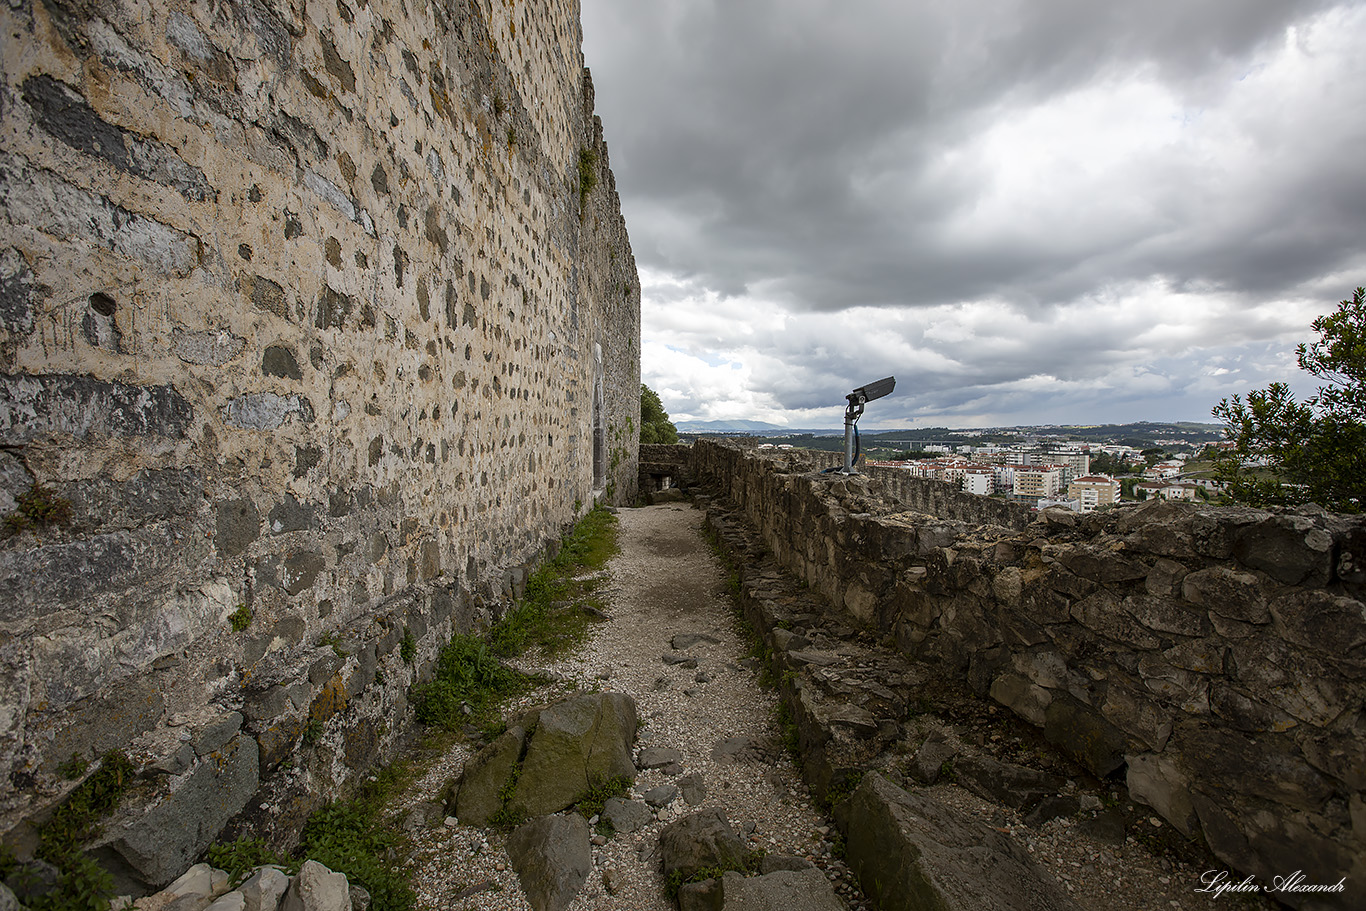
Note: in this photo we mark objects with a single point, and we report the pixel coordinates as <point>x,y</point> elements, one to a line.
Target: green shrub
<point>348,837</point>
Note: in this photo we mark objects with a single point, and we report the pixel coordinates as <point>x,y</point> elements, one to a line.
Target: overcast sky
<point>1038,211</point>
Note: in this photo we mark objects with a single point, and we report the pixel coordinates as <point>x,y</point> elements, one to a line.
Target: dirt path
<point>664,583</point>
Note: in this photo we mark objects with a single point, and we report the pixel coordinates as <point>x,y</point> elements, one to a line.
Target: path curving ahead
<point>674,645</point>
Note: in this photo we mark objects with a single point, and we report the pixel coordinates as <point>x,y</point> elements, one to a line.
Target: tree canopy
<point>655,426</point>
<point>1286,452</point>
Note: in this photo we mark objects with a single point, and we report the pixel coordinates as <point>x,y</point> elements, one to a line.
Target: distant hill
<point>755,427</point>
<point>1140,434</point>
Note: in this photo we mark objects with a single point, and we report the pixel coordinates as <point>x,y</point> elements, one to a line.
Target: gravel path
<point>665,582</point>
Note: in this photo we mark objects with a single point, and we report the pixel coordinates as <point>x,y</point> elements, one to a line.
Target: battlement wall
<point>1215,658</point>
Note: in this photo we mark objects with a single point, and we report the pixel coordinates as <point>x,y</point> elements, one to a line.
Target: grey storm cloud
<point>909,156</point>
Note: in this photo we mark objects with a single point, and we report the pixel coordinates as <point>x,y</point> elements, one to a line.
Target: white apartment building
<point>980,480</point>
<point>1094,491</point>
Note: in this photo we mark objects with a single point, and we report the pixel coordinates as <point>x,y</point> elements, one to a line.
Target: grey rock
<point>1052,807</point>
<point>1106,826</point>
<point>484,776</point>
<point>783,890</point>
<point>658,757</point>
<point>929,761</point>
<point>15,481</point>
<point>679,660</point>
<point>1013,785</point>
<point>661,796</point>
<point>788,641</point>
<point>626,816</point>
<point>700,840</point>
<point>910,852</point>
<point>700,896</point>
<point>216,733</point>
<point>157,844</point>
<point>693,788</point>
<point>232,901</point>
<point>265,889</point>
<point>316,888</point>
<point>197,880</point>
<point>553,857</point>
<point>360,898</point>
<point>8,900</point>
<point>579,743</point>
<point>736,749</point>
<point>423,815</point>
<point>1085,734</point>
<point>212,347</point>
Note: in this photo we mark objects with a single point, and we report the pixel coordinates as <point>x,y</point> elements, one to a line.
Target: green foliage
<point>1313,451</point>
<point>73,768</point>
<point>467,672</point>
<point>843,788</point>
<point>748,866</point>
<point>590,802</point>
<point>552,614</point>
<point>240,619</point>
<point>38,508</point>
<point>83,885</point>
<point>588,175</point>
<point>238,858</point>
<point>313,732</point>
<point>407,649</point>
<point>655,426</point>
<point>349,837</point>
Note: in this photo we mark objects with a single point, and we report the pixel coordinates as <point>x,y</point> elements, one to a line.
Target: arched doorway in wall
<point>599,424</point>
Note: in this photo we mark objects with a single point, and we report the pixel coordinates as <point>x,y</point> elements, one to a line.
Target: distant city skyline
<point>1028,213</point>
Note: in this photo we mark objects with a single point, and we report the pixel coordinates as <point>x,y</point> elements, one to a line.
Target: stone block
<point>316,888</point>
<point>1289,548</point>
<point>157,844</point>
<point>1085,734</point>
<point>910,852</point>
<point>1022,696</point>
<point>578,744</point>
<point>1159,782</point>
<point>479,795</point>
<point>1229,593</point>
<point>1320,620</point>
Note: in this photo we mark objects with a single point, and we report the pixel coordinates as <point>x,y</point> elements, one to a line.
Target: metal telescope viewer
<point>854,410</point>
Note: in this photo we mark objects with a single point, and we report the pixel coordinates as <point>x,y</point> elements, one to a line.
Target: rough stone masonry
<point>322,316</point>
<point>1211,658</point>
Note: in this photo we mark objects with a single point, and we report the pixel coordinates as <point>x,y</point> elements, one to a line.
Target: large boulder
<point>317,888</point>
<point>911,852</point>
<point>553,857</point>
<point>151,848</point>
<point>578,744</point>
<point>479,795</point>
<point>784,890</point>
<point>700,841</point>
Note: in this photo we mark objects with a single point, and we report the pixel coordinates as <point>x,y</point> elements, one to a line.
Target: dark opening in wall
<point>103,304</point>
<point>599,424</point>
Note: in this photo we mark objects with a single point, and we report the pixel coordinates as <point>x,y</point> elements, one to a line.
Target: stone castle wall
<point>323,318</point>
<point>1215,658</point>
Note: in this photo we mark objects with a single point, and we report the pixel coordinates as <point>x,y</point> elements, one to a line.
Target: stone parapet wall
<point>1214,657</point>
<point>324,319</point>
